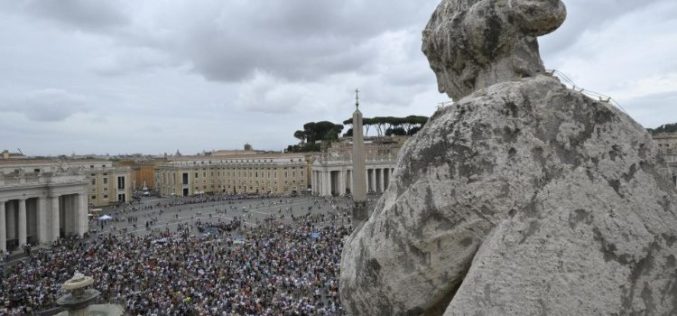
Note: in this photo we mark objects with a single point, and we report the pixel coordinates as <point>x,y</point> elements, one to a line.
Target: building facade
<point>108,184</point>
<point>332,170</point>
<point>142,173</point>
<point>257,173</point>
<point>667,144</point>
<point>40,207</point>
<point>6,154</point>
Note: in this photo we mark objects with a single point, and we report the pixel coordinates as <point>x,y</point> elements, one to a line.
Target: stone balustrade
<point>14,179</point>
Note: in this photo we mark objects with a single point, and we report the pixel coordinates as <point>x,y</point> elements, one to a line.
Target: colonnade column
<point>366,180</point>
<point>377,186</point>
<point>3,229</point>
<point>342,183</point>
<point>377,179</point>
<point>42,214</point>
<point>82,215</point>
<point>383,184</point>
<point>316,187</point>
<point>349,184</point>
<point>373,180</point>
<point>366,176</point>
<point>312,181</point>
<point>22,222</point>
<point>326,183</point>
<point>54,203</point>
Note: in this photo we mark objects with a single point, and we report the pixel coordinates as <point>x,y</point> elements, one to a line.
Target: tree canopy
<point>391,125</point>
<point>314,132</point>
<point>665,128</point>
<point>300,135</point>
<point>324,130</point>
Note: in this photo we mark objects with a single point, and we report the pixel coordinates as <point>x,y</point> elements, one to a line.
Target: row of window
<point>231,181</point>
<point>121,182</point>
<point>121,197</point>
<point>240,174</point>
<point>242,161</point>
<point>105,181</point>
<point>204,187</point>
<point>164,177</point>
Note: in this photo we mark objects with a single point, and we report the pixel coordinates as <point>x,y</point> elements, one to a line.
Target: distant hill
<point>665,128</point>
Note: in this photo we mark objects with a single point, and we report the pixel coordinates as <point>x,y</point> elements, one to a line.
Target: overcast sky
<point>129,76</point>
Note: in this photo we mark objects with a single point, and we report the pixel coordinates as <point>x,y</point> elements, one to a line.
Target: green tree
<point>300,135</point>
<point>319,131</point>
<point>397,131</point>
<point>665,128</point>
<point>380,123</point>
<point>309,129</point>
<point>367,123</point>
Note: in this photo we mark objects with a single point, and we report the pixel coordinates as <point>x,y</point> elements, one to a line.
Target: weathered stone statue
<point>473,44</point>
<point>523,198</point>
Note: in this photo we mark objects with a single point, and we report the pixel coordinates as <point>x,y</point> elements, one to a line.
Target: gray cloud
<point>50,105</point>
<point>81,14</point>
<point>213,67</point>
<point>134,59</point>
<point>653,110</point>
<point>298,40</point>
<point>231,40</point>
<point>587,16</point>
<point>393,66</point>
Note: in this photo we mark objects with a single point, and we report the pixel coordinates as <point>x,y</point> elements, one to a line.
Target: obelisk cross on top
<point>357,99</point>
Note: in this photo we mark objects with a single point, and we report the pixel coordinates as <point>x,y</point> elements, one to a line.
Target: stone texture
<point>524,198</point>
<point>473,44</point>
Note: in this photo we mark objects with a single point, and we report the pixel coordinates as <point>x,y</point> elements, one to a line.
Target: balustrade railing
<point>7,180</point>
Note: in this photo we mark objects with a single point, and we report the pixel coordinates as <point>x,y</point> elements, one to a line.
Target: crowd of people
<point>169,212</point>
<point>272,269</point>
<point>285,264</point>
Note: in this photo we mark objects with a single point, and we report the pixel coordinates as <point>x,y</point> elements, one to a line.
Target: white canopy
<point>105,218</point>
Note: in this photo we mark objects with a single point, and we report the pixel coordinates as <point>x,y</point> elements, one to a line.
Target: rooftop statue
<point>473,44</point>
<point>524,197</point>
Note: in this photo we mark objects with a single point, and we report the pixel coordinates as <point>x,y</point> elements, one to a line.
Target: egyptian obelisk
<point>359,191</point>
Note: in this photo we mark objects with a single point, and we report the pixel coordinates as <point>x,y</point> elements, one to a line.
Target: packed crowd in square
<point>285,264</point>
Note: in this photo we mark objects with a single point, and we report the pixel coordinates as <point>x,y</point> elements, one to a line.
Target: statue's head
<point>472,44</point>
